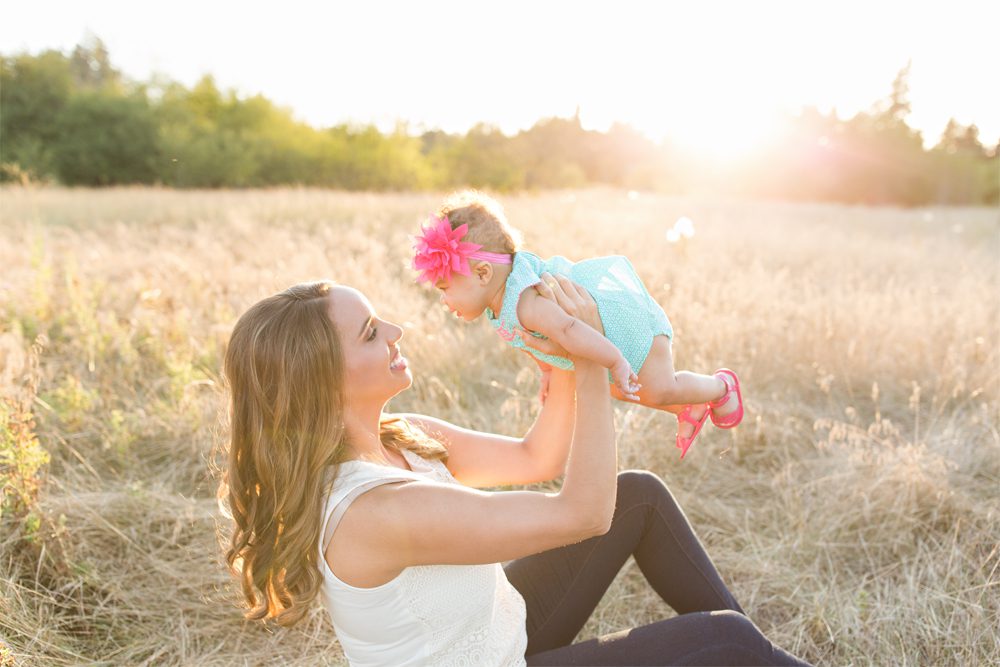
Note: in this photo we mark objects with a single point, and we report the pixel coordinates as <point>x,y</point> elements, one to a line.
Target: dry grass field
<point>856,513</point>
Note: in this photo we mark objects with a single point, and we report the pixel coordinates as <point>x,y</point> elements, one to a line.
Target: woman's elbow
<point>553,472</point>
<point>603,524</point>
<point>595,523</point>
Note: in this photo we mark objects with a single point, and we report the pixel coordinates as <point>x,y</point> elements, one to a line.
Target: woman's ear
<point>484,273</point>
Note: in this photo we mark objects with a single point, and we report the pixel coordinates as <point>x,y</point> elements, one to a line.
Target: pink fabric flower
<point>440,251</point>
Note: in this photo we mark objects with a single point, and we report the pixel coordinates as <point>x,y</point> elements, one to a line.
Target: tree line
<point>77,120</point>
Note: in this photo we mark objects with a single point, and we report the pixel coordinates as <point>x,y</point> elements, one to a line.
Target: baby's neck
<point>500,279</point>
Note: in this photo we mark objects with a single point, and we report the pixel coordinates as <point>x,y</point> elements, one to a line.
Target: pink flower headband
<point>440,250</point>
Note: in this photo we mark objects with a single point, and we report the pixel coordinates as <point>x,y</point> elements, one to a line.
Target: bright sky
<point>708,75</point>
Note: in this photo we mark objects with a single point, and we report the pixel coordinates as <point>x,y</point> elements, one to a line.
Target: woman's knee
<point>641,486</point>
<point>734,626</point>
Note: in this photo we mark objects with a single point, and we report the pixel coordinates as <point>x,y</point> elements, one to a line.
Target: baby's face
<point>464,296</point>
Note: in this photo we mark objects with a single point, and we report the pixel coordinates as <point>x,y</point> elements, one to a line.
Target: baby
<point>473,256</point>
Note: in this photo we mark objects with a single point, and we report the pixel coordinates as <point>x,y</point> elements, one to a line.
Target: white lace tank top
<point>428,614</point>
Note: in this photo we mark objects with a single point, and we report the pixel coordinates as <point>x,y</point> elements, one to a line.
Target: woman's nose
<point>395,332</point>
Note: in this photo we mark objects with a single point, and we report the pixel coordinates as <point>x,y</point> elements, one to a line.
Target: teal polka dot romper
<point>630,316</point>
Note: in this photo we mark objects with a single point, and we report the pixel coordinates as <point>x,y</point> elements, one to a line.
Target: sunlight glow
<point>710,77</point>
<point>722,138</point>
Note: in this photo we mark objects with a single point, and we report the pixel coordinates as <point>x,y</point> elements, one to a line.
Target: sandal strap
<point>685,415</point>
<point>719,402</point>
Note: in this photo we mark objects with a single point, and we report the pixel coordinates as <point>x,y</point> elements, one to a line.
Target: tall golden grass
<point>856,513</point>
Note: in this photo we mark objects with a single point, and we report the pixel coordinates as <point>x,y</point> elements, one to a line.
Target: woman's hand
<point>543,389</point>
<point>572,298</point>
<point>546,369</point>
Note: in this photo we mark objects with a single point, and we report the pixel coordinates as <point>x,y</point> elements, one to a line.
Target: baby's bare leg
<point>675,409</point>
<point>662,385</point>
<point>665,389</point>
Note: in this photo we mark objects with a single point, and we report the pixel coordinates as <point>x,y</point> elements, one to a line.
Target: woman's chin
<point>405,378</point>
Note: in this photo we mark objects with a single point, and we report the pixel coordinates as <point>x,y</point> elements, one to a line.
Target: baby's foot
<point>689,423</point>
<point>727,410</point>
<point>685,429</point>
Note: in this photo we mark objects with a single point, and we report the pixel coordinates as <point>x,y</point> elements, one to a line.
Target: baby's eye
<point>371,336</point>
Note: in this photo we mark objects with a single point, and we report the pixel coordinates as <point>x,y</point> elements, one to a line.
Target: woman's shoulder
<point>426,424</point>
<point>353,473</point>
<point>440,432</point>
<point>428,430</point>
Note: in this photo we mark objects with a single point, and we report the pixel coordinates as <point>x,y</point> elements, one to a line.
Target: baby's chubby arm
<point>577,338</point>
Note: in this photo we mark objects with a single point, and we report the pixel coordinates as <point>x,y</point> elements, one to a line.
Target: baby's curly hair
<point>488,225</point>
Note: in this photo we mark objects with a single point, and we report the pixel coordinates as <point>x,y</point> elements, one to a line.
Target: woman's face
<point>375,369</point>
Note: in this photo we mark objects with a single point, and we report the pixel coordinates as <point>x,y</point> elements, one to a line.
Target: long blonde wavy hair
<point>285,371</point>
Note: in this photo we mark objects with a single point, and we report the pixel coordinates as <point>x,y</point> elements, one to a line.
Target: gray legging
<point>561,588</point>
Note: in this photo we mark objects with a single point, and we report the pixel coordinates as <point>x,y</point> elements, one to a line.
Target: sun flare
<point>722,139</point>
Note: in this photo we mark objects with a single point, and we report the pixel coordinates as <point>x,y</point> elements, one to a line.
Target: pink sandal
<point>732,384</point>
<point>684,444</point>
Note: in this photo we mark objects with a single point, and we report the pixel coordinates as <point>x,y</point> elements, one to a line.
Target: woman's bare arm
<point>429,523</point>
<point>482,459</point>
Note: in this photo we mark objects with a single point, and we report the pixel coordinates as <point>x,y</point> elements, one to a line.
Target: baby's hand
<point>625,379</point>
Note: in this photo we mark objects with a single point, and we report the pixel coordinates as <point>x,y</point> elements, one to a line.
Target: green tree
<point>958,138</point>
<point>373,161</point>
<point>881,159</point>
<point>33,91</point>
<point>551,153</point>
<point>898,102</point>
<point>483,158</point>
<point>202,141</point>
<point>624,156</point>
<point>91,66</point>
<point>964,171</point>
<point>106,139</point>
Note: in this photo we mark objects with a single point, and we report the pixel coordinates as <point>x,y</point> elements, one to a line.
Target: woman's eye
<point>371,336</point>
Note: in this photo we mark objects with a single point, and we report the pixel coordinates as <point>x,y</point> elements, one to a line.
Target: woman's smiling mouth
<point>397,362</point>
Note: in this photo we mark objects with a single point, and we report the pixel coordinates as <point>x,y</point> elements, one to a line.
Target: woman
<point>379,515</point>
